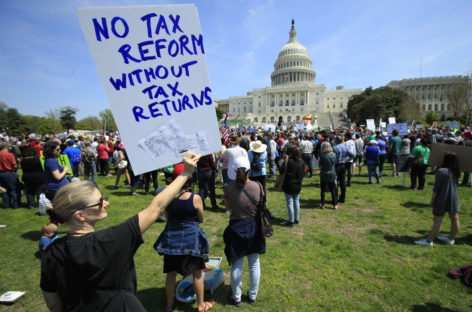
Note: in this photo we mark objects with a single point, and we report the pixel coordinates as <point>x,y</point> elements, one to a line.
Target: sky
<point>45,63</point>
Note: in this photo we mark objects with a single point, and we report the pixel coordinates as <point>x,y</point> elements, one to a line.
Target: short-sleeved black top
<point>94,272</point>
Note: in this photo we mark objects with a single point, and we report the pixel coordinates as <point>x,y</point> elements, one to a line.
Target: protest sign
<point>270,128</point>
<point>370,124</point>
<point>152,64</point>
<point>463,153</point>
<point>452,124</point>
<point>63,160</point>
<point>391,120</point>
<point>401,127</point>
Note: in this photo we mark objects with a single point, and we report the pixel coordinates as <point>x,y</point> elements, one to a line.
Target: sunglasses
<point>100,203</point>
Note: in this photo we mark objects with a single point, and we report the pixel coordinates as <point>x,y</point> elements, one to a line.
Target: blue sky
<point>45,63</point>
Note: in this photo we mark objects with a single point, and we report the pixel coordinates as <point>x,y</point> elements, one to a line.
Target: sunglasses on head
<point>100,203</point>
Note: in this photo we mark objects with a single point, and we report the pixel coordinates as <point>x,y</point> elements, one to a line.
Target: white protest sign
<point>152,64</point>
<point>401,127</point>
<point>269,128</point>
<point>370,124</point>
<point>391,120</point>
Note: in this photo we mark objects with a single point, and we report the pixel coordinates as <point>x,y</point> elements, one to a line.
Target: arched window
<point>263,119</point>
<point>430,107</point>
<point>442,107</point>
<point>289,118</point>
<point>436,107</point>
<point>287,103</point>
<point>297,118</point>
<point>256,119</point>
<point>423,108</point>
<point>272,119</point>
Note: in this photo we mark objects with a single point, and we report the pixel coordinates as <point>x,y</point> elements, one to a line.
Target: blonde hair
<point>326,148</point>
<point>72,197</point>
<point>48,228</point>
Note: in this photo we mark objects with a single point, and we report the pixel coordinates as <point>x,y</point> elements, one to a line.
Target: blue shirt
<point>342,153</point>
<point>382,147</point>
<point>261,162</point>
<point>74,155</point>
<point>50,165</point>
<point>372,155</point>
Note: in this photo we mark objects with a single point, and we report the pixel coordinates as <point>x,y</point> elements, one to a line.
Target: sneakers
<point>424,242</point>
<point>232,301</point>
<point>251,301</point>
<point>445,240</point>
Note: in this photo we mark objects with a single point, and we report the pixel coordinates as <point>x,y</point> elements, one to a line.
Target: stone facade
<point>293,92</point>
<point>430,92</point>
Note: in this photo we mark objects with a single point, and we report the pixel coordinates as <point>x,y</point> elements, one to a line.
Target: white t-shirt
<point>231,154</point>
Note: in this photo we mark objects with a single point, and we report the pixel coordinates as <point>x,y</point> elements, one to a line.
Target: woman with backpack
<point>257,158</point>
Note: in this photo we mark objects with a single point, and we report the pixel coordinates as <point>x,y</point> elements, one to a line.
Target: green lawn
<point>360,258</point>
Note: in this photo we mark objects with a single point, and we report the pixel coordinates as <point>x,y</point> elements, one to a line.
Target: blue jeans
<point>237,276</point>
<point>373,172</point>
<point>90,167</point>
<point>293,207</point>
<point>309,162</point>
<point>8,181</point>
<point>206,184</point>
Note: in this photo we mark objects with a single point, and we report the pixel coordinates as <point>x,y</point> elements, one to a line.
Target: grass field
<point>359,258</point>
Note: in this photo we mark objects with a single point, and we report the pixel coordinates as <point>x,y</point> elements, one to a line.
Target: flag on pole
<point>224,129</point>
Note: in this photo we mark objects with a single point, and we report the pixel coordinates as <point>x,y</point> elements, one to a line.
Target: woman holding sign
<point>90,270</point>
<point>54,173</point>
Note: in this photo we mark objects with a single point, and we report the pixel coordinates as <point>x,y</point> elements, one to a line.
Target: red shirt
<point>7,161</point>
<point>102,151</point>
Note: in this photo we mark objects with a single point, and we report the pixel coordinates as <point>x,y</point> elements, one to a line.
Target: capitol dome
<point>293,65</point>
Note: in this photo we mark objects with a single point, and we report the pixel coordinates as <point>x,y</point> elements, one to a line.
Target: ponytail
<point>241,177</point>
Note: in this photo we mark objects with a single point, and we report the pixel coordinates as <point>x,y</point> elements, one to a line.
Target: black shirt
<point>94,272</point>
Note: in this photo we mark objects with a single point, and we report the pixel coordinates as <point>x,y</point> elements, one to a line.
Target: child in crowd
<point>48,232</point>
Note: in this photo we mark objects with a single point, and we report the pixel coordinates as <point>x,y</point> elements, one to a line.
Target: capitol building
<point>293,93</point>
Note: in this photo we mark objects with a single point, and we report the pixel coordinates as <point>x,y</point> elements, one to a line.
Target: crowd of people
<point>87,264</point>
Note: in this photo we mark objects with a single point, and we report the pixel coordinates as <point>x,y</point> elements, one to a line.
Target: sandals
<point>206,306</point>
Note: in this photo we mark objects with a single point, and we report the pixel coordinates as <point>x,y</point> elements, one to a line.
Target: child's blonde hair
<point>48,228</point>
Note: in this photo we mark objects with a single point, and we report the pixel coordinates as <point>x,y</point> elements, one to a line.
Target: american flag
<point>224,129</point>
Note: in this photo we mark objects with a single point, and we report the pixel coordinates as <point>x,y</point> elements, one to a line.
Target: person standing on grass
<point>102,151</point>
<point>382,152</point>
<point>90,270</point>
<point>184,245</point>
<point>257,156</point>
<point>33,175</point>
<point>351,147</point>
<point>206,171</point>
<point>372,152</point>
<point>328,174</point>
<point>419,159</point>
<point>292,186</point>
<point>8,176</point>
<point>73,153</point>
<point>445,199</point>
<point>343,156</point>
<point>394,151</point>
<point>89,159</point>
<point>54,173</point>
<point>359,142</point>
<point>242,237</point>
<point>306,147</point>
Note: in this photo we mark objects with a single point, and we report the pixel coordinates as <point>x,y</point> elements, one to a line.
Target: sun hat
<point>257,146</point>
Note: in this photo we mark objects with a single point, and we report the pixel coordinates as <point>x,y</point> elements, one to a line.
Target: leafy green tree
<point>89,123</point>
<point>50,126</point>
<point>381,103</point>
<point>431,117</point>
<point>67,118</point>
<point>14,122</point>
<point>219,113</point>
<point>108,121</point>
<point>32,123</point>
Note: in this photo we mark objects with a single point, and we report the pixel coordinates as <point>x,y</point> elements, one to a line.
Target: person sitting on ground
<point>48,235</point>
<point>445,198</point>
<point>90,270</point>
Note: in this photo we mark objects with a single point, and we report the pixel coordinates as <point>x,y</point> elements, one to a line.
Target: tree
<point>381,103</point>
<point>459,96</point>
<point>89,123</point>
<point>67,118</point>
<point>49,126</point>
<point>431,117</point>
<point>14,122</point>
<point>108,121</point>
<point>32,124</point>
<point>410,110</point>
<point>52,113</point>
<point>219,113</point>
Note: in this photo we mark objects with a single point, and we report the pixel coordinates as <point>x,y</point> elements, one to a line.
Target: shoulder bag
<point>262,215</point>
